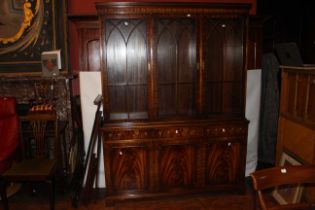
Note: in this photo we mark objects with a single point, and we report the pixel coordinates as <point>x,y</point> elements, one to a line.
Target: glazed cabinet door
<point>175,43</point>
<point>222,161</point>
<point>125,48</point>
<point>224,52</point>
<point>127,168</point>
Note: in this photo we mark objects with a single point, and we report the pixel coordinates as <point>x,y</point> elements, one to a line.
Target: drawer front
<point>188,131</point>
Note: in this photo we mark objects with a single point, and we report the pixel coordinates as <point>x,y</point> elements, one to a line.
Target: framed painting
<point>27,28</point>
<point>290,193</point>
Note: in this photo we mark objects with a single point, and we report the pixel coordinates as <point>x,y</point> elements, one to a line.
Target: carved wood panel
<point>175,131</point>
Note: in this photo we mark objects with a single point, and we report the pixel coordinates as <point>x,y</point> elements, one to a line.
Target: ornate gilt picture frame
<point>27,28</point>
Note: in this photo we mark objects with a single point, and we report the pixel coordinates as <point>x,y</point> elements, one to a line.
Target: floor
<point>23,200</point>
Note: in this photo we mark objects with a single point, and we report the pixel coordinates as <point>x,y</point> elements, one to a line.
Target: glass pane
<point>176,64</point>
<point>232,100</point>
<point>223,66</point>
<point>126,67</point>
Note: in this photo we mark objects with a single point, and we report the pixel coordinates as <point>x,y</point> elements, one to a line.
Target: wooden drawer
<point>192,130</point>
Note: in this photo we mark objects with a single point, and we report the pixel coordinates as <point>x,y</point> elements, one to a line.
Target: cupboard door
<point>176,166</point>
<point>128,169</point>
<point>175,41</point>
<point>222,162</point>
<point>223,58</point>
<point>126,68</point>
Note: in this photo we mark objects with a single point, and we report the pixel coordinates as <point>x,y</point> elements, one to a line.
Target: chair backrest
<point>9,132</point>
<point>39,129</point>
<point>282,176</point>
<point>7,107</point>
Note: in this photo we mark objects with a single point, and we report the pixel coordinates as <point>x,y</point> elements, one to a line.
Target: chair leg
<point>3,194</point>
<point>52,193</point>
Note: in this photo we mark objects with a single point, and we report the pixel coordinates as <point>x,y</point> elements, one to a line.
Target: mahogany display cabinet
<point>174,78</point>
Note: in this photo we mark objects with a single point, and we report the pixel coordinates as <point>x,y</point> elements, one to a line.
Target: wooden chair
<point>269,178</point>
<point>38,164</point>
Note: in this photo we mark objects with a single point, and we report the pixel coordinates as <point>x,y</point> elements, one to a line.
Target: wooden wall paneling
<point>88,29</point>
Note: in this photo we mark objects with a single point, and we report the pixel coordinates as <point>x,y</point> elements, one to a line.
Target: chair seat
<point>267,179</point>
<point>31,170</point>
